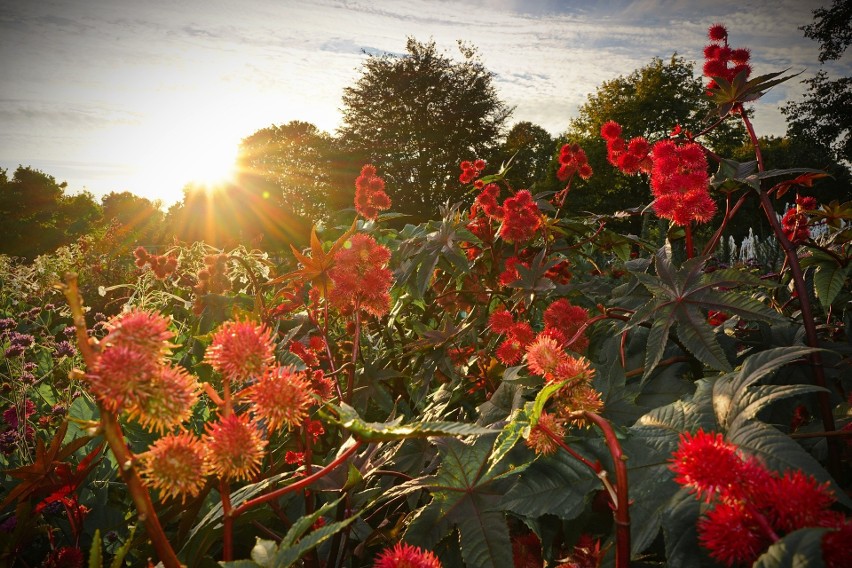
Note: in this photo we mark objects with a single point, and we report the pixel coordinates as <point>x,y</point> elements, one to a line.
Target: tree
<point>530,148</point>
<point>140,220</point>
<point>824,115</point>
<point>648,102</point>
<point>296,161</point>
<point>832,28</point>
<point>416,116</point>
<point>37,215</point>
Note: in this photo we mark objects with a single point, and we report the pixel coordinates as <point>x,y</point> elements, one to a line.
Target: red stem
<point>823,400</point>
<point>621,513</point>
<point>236,512</point>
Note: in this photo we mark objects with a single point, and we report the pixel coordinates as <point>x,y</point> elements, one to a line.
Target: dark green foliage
<point>38,216</point>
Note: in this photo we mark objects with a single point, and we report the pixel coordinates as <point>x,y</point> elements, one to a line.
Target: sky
<point>147,96</point>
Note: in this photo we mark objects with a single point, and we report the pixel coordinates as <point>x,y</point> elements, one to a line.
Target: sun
<point>208,162</point>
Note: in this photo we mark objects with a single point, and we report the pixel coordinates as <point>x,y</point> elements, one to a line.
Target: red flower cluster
<point>795,220</point>
<point>715,318</point>
<point>361,277</point>
<point>521,218</point>
<point>518,336</point>
<point>471,171</point>
<point>162,265</point>
<point>630,157</point>
<point>680,183</point>
<point>520,215</point>
<point>563,321</point>
<point>573,160</point>
<point>370,196</point>
<point>132,373</point>
<point>722,61</point>
<point>753,506</point>
<point>406,556</point>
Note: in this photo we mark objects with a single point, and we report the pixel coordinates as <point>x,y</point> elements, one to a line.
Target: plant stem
<point>237,511</point>
<point>621,513</point>
<point>227,521</point>
<point>115,438</point>
<point>823,400</point>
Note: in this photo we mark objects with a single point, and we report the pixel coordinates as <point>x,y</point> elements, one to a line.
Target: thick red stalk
<point>808,322</point>
<point>236,512</point>
<point>621,513</point>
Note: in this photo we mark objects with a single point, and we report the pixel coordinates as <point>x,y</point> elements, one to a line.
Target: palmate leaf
<point>799,549</point>
<point>729,391</point>
<point>679,298</point>
<point>467,495</point>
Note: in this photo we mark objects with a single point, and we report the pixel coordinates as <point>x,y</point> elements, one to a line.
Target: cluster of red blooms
<point>573,160</point>
<point>754,507</point>
<point>562,324</point>
<point>370,196</point>
<point>795,220</point>
<point>722,61</point>
<point>406,556</point>
<point>212,279</point>
<point>133,375</point>
<point>680,183</point>
<point>519,215</point>
<point>715,318</point>
<point>361,277</point>
<point>630,157</point>
<point>679,178</point>
<point>162,265</point>
<point>471,171</point>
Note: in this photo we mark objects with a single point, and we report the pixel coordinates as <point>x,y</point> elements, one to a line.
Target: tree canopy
<point>824,115</point>
<point>415,116</point>
<point>37,215</point>
<point>299,164</point>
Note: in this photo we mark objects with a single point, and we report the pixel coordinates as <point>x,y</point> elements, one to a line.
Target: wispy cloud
<point>114,75</point>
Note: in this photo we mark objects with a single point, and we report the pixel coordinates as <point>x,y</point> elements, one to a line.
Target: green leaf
<point>468,495</point>
<point>799,549</point>
<point>553,485</point>
<point>828,282</point>
<point>730,390</point>
<point>680,296</point>
<point>121,553</point>
<point>288,556</point>
<point>263,552</point>
<point>679,530</point>
<point>349,419</point>
<point>301,526</point>
<point>698,337</point>
<point>96,559</point>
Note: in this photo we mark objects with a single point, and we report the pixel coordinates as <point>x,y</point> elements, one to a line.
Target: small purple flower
<point>64,349</point>
<point>49,307</point>
<point>34,312</point>
<point>8,323</point>
<point>69,331</point>
<point>30,367</point>
<point>14,351</point>
<point>22,339</point>
<point>100,317</point>
<point>27,378</point>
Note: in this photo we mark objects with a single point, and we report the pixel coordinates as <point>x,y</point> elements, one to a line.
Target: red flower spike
<point>406,556</point>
